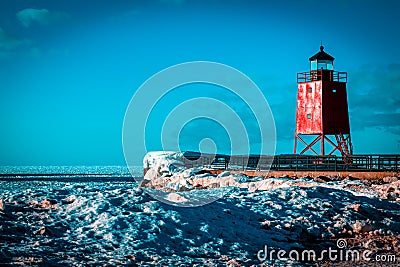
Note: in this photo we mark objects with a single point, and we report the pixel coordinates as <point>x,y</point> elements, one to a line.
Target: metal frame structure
<point>343,144</point>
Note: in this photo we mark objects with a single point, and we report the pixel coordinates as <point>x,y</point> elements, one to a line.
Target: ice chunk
<point>162,163</point>
<point>174,197</point>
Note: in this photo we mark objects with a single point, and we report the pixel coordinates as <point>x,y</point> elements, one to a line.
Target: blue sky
<point>68,69</point>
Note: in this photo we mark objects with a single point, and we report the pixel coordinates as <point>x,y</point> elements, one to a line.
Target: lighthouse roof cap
<point>321,55</point>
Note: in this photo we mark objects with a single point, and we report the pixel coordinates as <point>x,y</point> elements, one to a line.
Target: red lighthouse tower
<point>322,116</point>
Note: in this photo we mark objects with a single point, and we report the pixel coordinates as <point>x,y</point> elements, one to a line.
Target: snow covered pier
<point>360,166</point>
<point>170,172</point>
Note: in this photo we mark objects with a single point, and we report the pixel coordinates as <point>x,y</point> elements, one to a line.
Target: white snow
<point>115,223</point>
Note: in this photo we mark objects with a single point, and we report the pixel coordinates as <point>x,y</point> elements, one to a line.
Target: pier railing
<point>369,163</point>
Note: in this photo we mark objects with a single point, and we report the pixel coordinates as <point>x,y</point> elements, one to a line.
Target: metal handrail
<point>370,163</point>
<point>318,75</point>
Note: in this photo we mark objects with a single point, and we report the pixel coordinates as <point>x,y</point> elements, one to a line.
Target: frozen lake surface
<point>101,217</point>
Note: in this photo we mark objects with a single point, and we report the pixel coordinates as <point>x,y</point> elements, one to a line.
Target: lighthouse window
<point>333,90</point>
<point>309,89</point>
<point>308,116</point>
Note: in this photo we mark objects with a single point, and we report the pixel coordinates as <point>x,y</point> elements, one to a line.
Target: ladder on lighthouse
<point>344,146</point>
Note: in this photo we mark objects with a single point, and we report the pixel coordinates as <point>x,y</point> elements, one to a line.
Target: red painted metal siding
<point>322,108</point>
<point>309,108</point>
<point>335,111</point>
